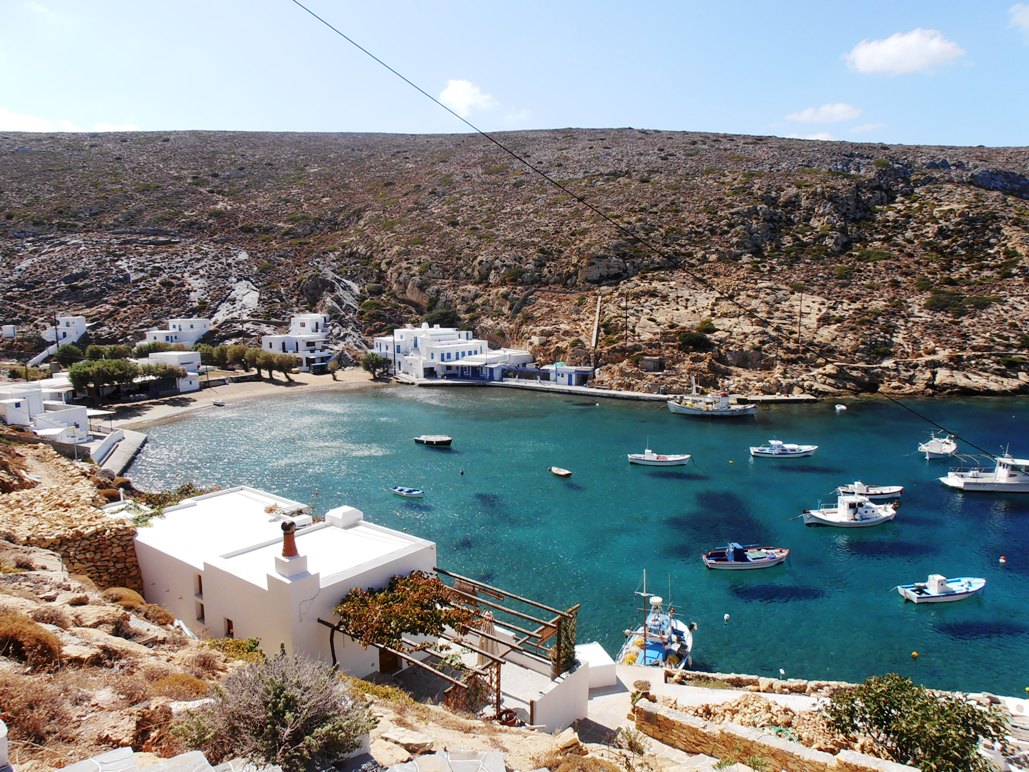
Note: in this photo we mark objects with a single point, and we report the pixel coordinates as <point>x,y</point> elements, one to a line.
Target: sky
<point>946,72</point>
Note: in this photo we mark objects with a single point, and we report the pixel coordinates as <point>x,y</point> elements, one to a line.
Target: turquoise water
<point>830,612</point>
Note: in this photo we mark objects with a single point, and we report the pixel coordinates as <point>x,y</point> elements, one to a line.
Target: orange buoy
<point>914,655</point>
<point>1003,559</point>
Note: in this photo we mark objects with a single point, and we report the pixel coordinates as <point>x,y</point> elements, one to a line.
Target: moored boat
<point>851,511</point>
<point>780,449</point>
<point>743,557</point>
<point>661,641</point>
<point>940,589</point>
<point>873,492</point>
<point>559,471</point>
<point>411,493</point>
<point>720,405</point>
<point>938,447</point>
<point>1009,475</point>
<point>434,440</point>
<point>650,458</point>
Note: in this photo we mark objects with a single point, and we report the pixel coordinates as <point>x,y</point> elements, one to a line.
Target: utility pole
<point>800,314</point>
<point>625,311</point>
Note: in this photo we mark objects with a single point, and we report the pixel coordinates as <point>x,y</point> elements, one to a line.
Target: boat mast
<point>645,595</point>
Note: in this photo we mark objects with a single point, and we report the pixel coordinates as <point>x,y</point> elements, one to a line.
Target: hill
<point>907,265</point>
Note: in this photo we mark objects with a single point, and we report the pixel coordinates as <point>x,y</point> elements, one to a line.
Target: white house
<point>187,360</point>
<point>186,331</point>
<point>434,352</point>
<point>569,375</point>
<point>67,329</point>
<point>40,406</point>
<point>216,561</point>
<point>306,340</point>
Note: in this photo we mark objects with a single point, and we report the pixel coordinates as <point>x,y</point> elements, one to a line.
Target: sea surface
<point>496,514</point>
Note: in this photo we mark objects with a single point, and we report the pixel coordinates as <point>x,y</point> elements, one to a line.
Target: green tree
<point>444,317</point>
<point>289,711</point>
<point>376,364</point>
<point>143,350</point>
<point>283,363</point>
<point>334,368</point>
<point>236,354</point>
<point>68,355</point>
<point>108,352</point>
<point>913,725</point>
<point>695,341</point>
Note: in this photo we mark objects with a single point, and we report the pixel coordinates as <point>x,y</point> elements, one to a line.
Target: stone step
<point>194,761</point>
<point>118,760</point>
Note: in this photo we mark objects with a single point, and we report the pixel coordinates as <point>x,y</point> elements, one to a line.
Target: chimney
<point>291,563</point>
<point>289,542</point>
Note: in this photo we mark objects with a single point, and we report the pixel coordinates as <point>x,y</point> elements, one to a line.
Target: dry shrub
<point>110,495</point>
<point>52,615</point>
<point>27,641</point>
<point>133,688</point>
<point>130,600</point>
<point>181,686</point>
<point>202,663</point>
<point>243,649</point>
<point>25,563</point>
<point>567,762</point>
<point>34,710</point>
<point>158,614</point>
<point>87,584</point>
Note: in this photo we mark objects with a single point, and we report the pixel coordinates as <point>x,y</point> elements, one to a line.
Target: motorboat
<point>780,449</point>
<point>720,405</point>
<point>1009,475</point>
<point>661,641</point>
<point>940,589</point>
<point>434,440</point>
<point>743,557</point>
<point>218,403</point>
<point>840,408</point>
<point>559,471</point>
<point>851,511</point>
<point>938,447</point>
<point>873,492</point>
<point>650,458</point>
<point>410,493</point>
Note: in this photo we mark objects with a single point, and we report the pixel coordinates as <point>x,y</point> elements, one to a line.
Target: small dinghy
<point>556,470</point>
<point>940,589</point>
<point>742,557</point>
<point>410,493</point>
<point>434,440</point>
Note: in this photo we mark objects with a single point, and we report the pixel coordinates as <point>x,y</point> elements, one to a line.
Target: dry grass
<point>181,686</point>
<point>242,649</point>
<point>130,600</point>
<point>52,615</point>
<point>26,641</point>
<point>203,663</point>
<point>35,710</point>
<point>158,614</point>
<point>556,761</point>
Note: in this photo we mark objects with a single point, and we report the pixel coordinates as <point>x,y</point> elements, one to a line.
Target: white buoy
<point>840,408</point>
<point>726,618</point>
<point>1003,559</point>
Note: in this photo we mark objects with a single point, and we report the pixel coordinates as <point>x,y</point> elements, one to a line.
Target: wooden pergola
<point>537,638</point>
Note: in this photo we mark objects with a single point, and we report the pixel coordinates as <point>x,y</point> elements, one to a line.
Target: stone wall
<point>61,513</point>
<point>725,741</point>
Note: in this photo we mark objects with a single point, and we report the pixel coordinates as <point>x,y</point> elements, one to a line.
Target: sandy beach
<point>139,415</point>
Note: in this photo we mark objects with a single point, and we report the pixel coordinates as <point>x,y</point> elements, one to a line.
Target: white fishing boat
<point>720,405</point>
<point>780,449</point>
<point>851,511</point>
<point>938,447</point>
<point>940,589</point>
<point>1009,475</point>
<point>744,557</point>
<point>873,492</point>
<point>661,641</point>
<point>559,471</point>
<point>650,458</point>
<point>410,493</point>
<point>434,440</point>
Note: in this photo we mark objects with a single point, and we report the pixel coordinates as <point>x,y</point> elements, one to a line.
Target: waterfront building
<point>40,407</point>
<point>418,353</point>
<point>217,562</point>
<point>568,375</point>
<point>187,360</point>
<point>306,340</point>
<point>186,332</point>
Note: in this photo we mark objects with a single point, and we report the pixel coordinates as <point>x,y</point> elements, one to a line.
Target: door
<point>388,662</point>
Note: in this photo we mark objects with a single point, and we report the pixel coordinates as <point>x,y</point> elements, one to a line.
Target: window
<point>230,630</point>
<point>200,612</point>
<point>198,585</point>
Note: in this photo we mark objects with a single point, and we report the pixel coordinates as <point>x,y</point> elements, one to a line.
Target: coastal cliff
<point>773,264</point>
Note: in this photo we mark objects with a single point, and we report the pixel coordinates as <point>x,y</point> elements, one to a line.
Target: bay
<point>496,514</point>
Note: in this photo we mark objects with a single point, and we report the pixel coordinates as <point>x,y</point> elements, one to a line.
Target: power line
<point>646,243</point>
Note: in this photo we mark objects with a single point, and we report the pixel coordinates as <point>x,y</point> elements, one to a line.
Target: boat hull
<point>434,440</point>
<point>655,653</point>
<point>801,451</point>
<point>872,492</point>
<point>813,517</point>
<point>984,485</point>
<point>713,411</point>
<point>749,565</point>
<point>558,471</point>
<point>408,493</point>
<point>639,458</point>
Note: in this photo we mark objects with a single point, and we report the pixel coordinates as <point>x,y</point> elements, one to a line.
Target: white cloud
<point>12,121</point>
<point>463,97</point>
<point>1019,13</point>
<point>866,128</point>
<point>827,113</point>
<point>920,50</point>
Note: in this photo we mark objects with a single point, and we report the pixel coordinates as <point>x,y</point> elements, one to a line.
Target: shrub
<point>181,686</point>
<point>158,614</point>
<point>203,663</point>
<point>50,614</point>
<point>289,711</point>
<point>911,725</point>
<point>28,642</point>
<point>242,649</point>
<point>130,600</point>
<point>35,711</point>
<point>695,341</point>
<point>706,326</point>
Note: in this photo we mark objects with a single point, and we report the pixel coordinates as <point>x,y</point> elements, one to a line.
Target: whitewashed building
<point>216,561</point>
<point>306,340</point>
<point>40,407</point>
<point>568,375</point>
<point>67,329</point>
<point>438,352</point>
<point>187,360</point>
<point>186,331</point>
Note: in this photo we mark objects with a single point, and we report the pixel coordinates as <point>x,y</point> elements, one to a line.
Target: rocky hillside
<point>769,263</point>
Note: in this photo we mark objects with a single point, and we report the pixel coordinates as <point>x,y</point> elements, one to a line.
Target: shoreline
<point>141,415</point>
